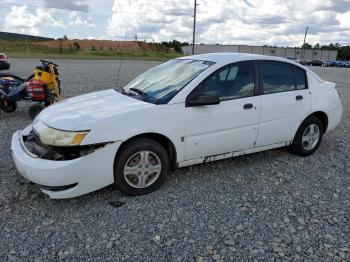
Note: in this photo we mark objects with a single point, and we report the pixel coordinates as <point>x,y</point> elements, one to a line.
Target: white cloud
<point>149,20</point>
<point>77,20</point>
<point>20,20</point>
<point>273,22</point>
<point>78,5</point>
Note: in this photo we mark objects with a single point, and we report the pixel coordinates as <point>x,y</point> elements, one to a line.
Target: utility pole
<point>194,25</point>
<point>302,48</point>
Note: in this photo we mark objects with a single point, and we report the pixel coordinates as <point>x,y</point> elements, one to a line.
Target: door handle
<point>300,97</point>
<point>248,106</point>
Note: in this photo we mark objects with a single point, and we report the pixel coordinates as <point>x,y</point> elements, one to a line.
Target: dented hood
<point>82,112</point>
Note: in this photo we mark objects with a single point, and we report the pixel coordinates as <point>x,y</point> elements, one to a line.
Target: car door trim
<point>237,153</point>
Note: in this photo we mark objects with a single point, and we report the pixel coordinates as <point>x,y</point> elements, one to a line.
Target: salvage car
<point>186,111</point>
<point>4,62</point>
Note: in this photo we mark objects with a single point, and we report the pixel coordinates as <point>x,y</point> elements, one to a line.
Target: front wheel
<point>34,110</point>
<point>141,167</point>
<point>308,137</point>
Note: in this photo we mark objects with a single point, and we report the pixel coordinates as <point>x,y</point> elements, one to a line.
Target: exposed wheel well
<point>323,117</point>
<point>161,139</point>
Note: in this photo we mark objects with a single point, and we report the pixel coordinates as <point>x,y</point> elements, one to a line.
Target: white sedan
<point>186,111</point>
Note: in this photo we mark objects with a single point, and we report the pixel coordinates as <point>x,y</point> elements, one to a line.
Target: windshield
<point>161,83</point>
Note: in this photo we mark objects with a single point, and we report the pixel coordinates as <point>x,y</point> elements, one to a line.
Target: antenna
<point>121,60</point>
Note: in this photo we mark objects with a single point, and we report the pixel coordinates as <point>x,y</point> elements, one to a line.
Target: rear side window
<point>300,78</point>
<point>277,76</point>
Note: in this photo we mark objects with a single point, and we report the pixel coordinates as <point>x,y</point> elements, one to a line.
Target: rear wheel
<point>308,137</point>
<point>141,167</point>
<point>8,106</point>
<point>34,110</point>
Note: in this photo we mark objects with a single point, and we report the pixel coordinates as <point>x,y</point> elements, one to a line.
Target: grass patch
<point>37,51</point>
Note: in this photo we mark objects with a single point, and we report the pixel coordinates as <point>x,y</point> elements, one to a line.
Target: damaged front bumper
<point>65,178</point>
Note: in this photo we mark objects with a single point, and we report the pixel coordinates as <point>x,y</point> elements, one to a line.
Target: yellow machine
<point>43,87</point>
<point>47,73</point>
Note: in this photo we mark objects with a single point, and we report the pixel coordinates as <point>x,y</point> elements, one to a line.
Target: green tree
<point>77,46</point>
<point>344,53</point>
<point>306,46</point>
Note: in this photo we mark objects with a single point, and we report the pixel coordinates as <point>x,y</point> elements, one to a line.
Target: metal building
<point>296,53</point>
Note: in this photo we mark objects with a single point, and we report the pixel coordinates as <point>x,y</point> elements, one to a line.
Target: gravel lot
<point>266,206</point>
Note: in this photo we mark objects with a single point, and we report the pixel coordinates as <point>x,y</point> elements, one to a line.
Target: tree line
<point>343,50</point>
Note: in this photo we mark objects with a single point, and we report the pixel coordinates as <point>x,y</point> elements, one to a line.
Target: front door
<point>231,125</point>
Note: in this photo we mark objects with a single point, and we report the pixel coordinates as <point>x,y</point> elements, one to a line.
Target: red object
<point>37,90</point>
<point>3,57</point>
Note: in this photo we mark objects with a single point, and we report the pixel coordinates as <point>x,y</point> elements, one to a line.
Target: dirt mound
<point>95,44</point>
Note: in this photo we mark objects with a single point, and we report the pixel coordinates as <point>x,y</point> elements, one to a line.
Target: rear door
<point>285,101</point>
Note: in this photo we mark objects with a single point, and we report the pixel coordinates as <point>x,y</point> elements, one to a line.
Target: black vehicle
<point>304,62</point>
<point>316,63</point>
<point>4,63</point>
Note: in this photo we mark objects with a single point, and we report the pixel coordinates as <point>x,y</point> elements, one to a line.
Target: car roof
<point>234,57</point>
<point>231,57</point>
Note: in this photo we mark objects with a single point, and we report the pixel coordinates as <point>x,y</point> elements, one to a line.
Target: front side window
<point>161,83</point>
<point>277,76</point>
<point>233,81</point>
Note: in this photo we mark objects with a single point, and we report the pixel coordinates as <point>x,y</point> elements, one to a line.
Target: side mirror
<point>203,100</point>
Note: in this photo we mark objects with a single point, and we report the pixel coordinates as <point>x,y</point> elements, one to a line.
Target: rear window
<point>2,57</point>
<point>280,77</point>
<point>277,77</point>
<point>300,78</point>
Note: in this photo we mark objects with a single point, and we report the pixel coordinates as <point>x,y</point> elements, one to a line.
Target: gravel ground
<point>269,206</point>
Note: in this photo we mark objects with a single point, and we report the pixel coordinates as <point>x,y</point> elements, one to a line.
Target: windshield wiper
<point>144,94</point>
<point>138,91</point>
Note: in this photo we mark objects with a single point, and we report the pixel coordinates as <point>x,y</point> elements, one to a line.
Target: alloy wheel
<point>310,137</point>
<point>142,169</point>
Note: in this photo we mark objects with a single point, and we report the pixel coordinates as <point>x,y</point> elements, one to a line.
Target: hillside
<point>87,49</point>
<point>14,36</point>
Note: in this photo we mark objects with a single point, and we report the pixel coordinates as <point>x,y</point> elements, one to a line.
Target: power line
<point>100,11</point>
<point>82,10</point>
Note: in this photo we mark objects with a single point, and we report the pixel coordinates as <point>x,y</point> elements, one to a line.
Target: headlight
<point>55,137</point>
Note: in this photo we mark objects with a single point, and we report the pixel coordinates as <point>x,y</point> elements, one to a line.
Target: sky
<point>250,22</point>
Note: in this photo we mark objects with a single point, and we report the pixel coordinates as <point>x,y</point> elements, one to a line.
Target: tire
<point>8,106</point>
<point>141,176</point>
<point>34,110</point>
<point>306,141</point>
